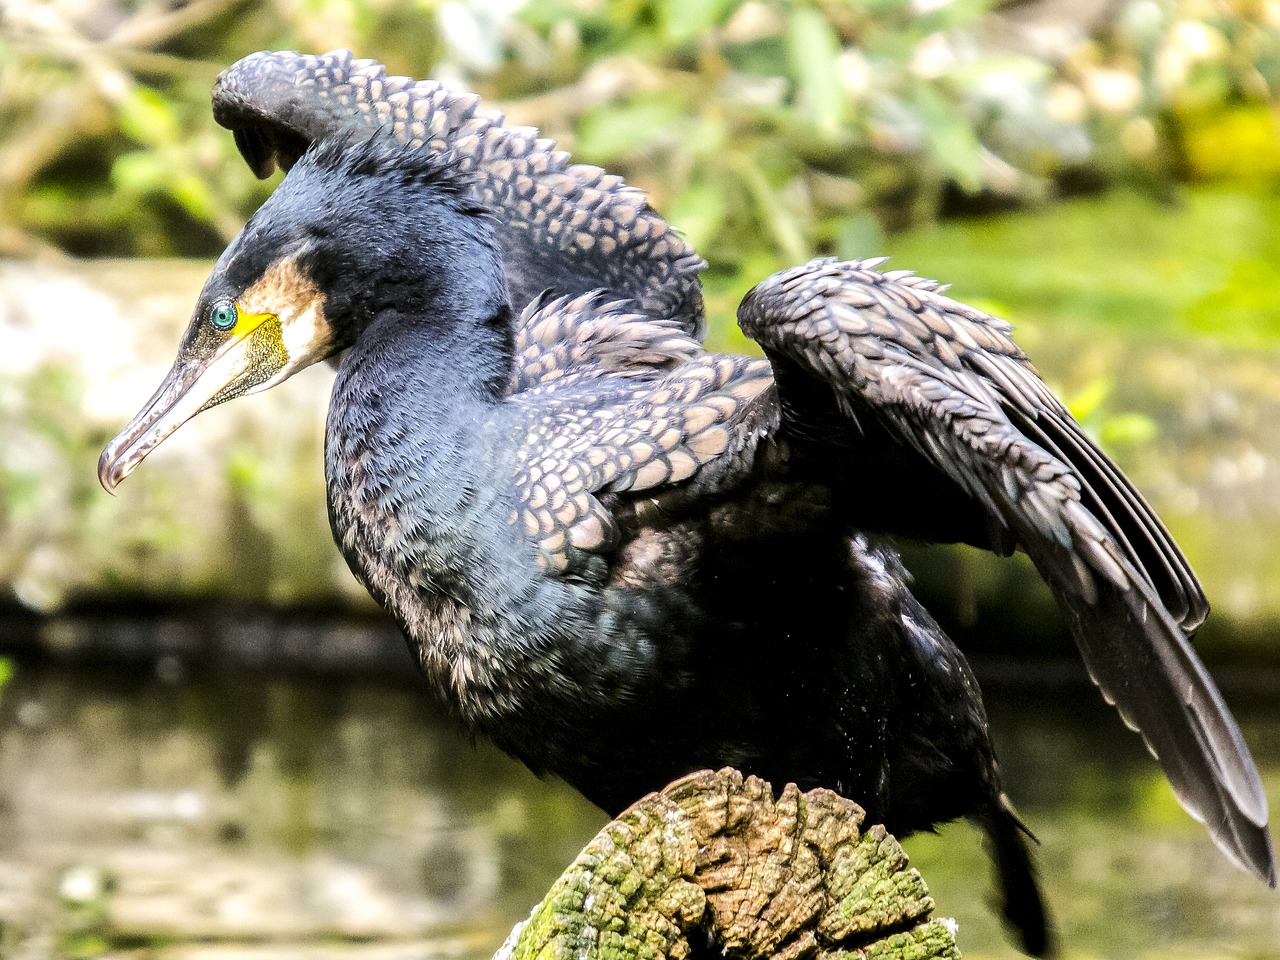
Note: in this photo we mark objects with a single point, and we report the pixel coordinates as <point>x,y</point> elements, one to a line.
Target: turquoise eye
<point>223,315</point>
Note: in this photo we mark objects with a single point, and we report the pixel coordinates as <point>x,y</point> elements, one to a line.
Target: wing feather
<point>947,381</point>
<point>616,402</point>
<point>570,227</point>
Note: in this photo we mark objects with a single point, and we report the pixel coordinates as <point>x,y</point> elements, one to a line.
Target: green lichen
<point>787,880</point>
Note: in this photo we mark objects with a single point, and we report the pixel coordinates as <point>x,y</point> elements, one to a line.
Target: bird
<point>570,227</point>
<point>621,557</point>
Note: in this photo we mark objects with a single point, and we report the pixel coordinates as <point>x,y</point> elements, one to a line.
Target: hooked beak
<point>247,363</point>
<point>169,408</point>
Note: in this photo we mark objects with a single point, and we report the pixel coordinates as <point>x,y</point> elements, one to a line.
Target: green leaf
<point>952,140</point>
<point>888,11</point>
<point>6,673</point>
<point>788,233</point>
<point>1127,428</point>
<point>814,49</point>
<point>614,131</point>
<point>1240,144</point>
<point>685,19</point>
<point>193,195</point>
<point>141,171</point>
<point>968,74</point>
<point>860,236</point>
<point>950,15</point>
<point>698,211</point>
<point>146,117</point>
<point>1086,401</point>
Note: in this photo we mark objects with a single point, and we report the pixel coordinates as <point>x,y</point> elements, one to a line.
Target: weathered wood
<point>715,856</point>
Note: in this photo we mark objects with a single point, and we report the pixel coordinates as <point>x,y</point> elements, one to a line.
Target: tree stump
<point>714,857</point>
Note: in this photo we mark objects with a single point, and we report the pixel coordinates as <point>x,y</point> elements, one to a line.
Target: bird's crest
<point>379,155</point>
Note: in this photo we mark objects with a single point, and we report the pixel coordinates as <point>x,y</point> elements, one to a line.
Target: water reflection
<point>240,807</point>
<point>1127,872</point>
<point>136,811</point>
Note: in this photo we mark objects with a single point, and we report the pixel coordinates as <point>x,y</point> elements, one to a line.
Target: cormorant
<point>623,558</point>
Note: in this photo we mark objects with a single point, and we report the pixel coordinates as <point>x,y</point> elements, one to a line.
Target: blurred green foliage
<point>1206,265</point>
<point>768,131</point>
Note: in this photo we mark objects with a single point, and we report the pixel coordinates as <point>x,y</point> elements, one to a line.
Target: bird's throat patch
<point>265,356</point>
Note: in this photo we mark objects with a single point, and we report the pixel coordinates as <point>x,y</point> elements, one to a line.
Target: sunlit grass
<point>1206,264</point>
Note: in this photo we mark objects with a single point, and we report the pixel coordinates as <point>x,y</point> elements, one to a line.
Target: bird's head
<point>359,226</point>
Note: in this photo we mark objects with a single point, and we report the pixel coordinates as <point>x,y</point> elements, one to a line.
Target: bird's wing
<point>898,359</point>
<point>610,402</point>
<point>570,227</point>
<point>592,336</point>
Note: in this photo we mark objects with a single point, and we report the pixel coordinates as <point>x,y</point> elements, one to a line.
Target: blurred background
<point>212,745</point>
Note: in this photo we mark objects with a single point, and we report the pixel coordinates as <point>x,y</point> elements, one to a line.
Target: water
<point>151,813</point>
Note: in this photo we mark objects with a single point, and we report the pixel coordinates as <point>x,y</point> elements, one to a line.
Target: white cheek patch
<point>307,336</point>
<point>284,291</point>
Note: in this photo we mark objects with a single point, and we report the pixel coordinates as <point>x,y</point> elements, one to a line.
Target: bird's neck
<point>418,457</point>
<point>408,459</point>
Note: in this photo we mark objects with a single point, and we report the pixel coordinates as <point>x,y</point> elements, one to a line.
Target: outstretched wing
<point>570,228</point>
<point>907,367</point>
<point>614,402</point>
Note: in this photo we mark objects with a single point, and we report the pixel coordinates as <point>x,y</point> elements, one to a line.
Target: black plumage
<point>622,558</point>
<point>571,227</point>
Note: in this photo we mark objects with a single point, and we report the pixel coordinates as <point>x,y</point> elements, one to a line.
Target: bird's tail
<point>1022,905</point>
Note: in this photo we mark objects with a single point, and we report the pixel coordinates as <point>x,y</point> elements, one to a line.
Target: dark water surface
<point>152,813</point>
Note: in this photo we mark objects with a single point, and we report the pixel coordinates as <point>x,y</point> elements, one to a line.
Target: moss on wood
<point>716,856</point>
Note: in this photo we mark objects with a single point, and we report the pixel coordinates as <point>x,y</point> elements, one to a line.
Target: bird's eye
<point>223,315</point>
